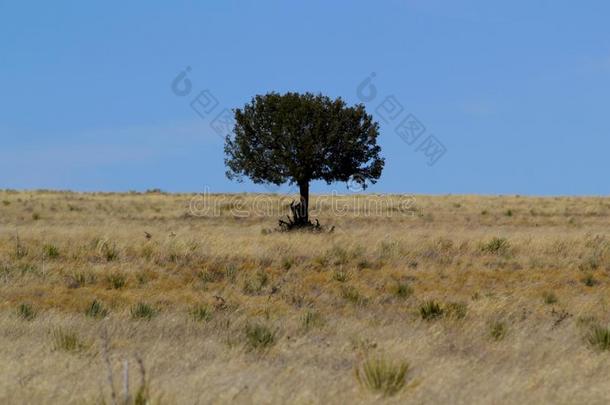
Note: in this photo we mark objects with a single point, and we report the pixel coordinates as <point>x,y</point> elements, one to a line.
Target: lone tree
<point>296,138</point>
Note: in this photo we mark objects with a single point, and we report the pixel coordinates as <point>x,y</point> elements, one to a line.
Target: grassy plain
<point>446,299</point>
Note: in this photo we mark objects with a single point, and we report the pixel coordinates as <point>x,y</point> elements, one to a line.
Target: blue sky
<point>518,93</point>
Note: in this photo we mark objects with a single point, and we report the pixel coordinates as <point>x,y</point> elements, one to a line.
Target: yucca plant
<point>496,246</point>
<point>96,310</point>
<point>382,376</point>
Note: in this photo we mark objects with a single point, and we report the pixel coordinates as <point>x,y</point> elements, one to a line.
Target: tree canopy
<point>296,138</point>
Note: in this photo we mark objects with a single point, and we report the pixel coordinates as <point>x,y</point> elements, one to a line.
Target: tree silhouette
<point>296,138</point>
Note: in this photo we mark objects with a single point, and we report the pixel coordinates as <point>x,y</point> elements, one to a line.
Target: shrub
<point>496,246</point>
<point>26,312</point>
<point>599,338</point>
<point>259,337</point>
<point>430,310</point>
<point>498,330</point>
<point>35,216</point>
<point>382,376</point>
<point>201,313</point>
<point>143,311</point>
<point>509,213</point>
<point>96,310</point>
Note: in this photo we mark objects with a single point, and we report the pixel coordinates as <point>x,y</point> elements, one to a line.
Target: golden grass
<point>522,287</point>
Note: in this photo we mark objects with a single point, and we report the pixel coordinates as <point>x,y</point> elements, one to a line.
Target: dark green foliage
<point>296,138</point>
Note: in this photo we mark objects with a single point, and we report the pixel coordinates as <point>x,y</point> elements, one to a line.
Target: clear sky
<point>517,93</point>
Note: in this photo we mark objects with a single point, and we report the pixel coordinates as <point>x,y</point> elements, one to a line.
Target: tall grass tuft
<point>457,310</point>
<point>201,313</point>
<point>51,251</point>
<point>430,310</point>
<point>143,311</point>
<point>403,290</point>
<point>26,312</point>
<point>311,319</point>
<point>549,297</point>
<point>599,338</point>
<point>351,294</point>
<point>116,280</point>
<point>496,246</point>
<point>96,310</point>
<point>382,376</point>
<point>67,340</point>
<point>498,330</point>
<point>259,336</point>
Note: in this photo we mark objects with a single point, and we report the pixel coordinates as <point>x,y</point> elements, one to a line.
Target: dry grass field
<point>455,299</point>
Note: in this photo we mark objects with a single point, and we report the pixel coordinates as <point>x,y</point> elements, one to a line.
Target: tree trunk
<point>304,191</point>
